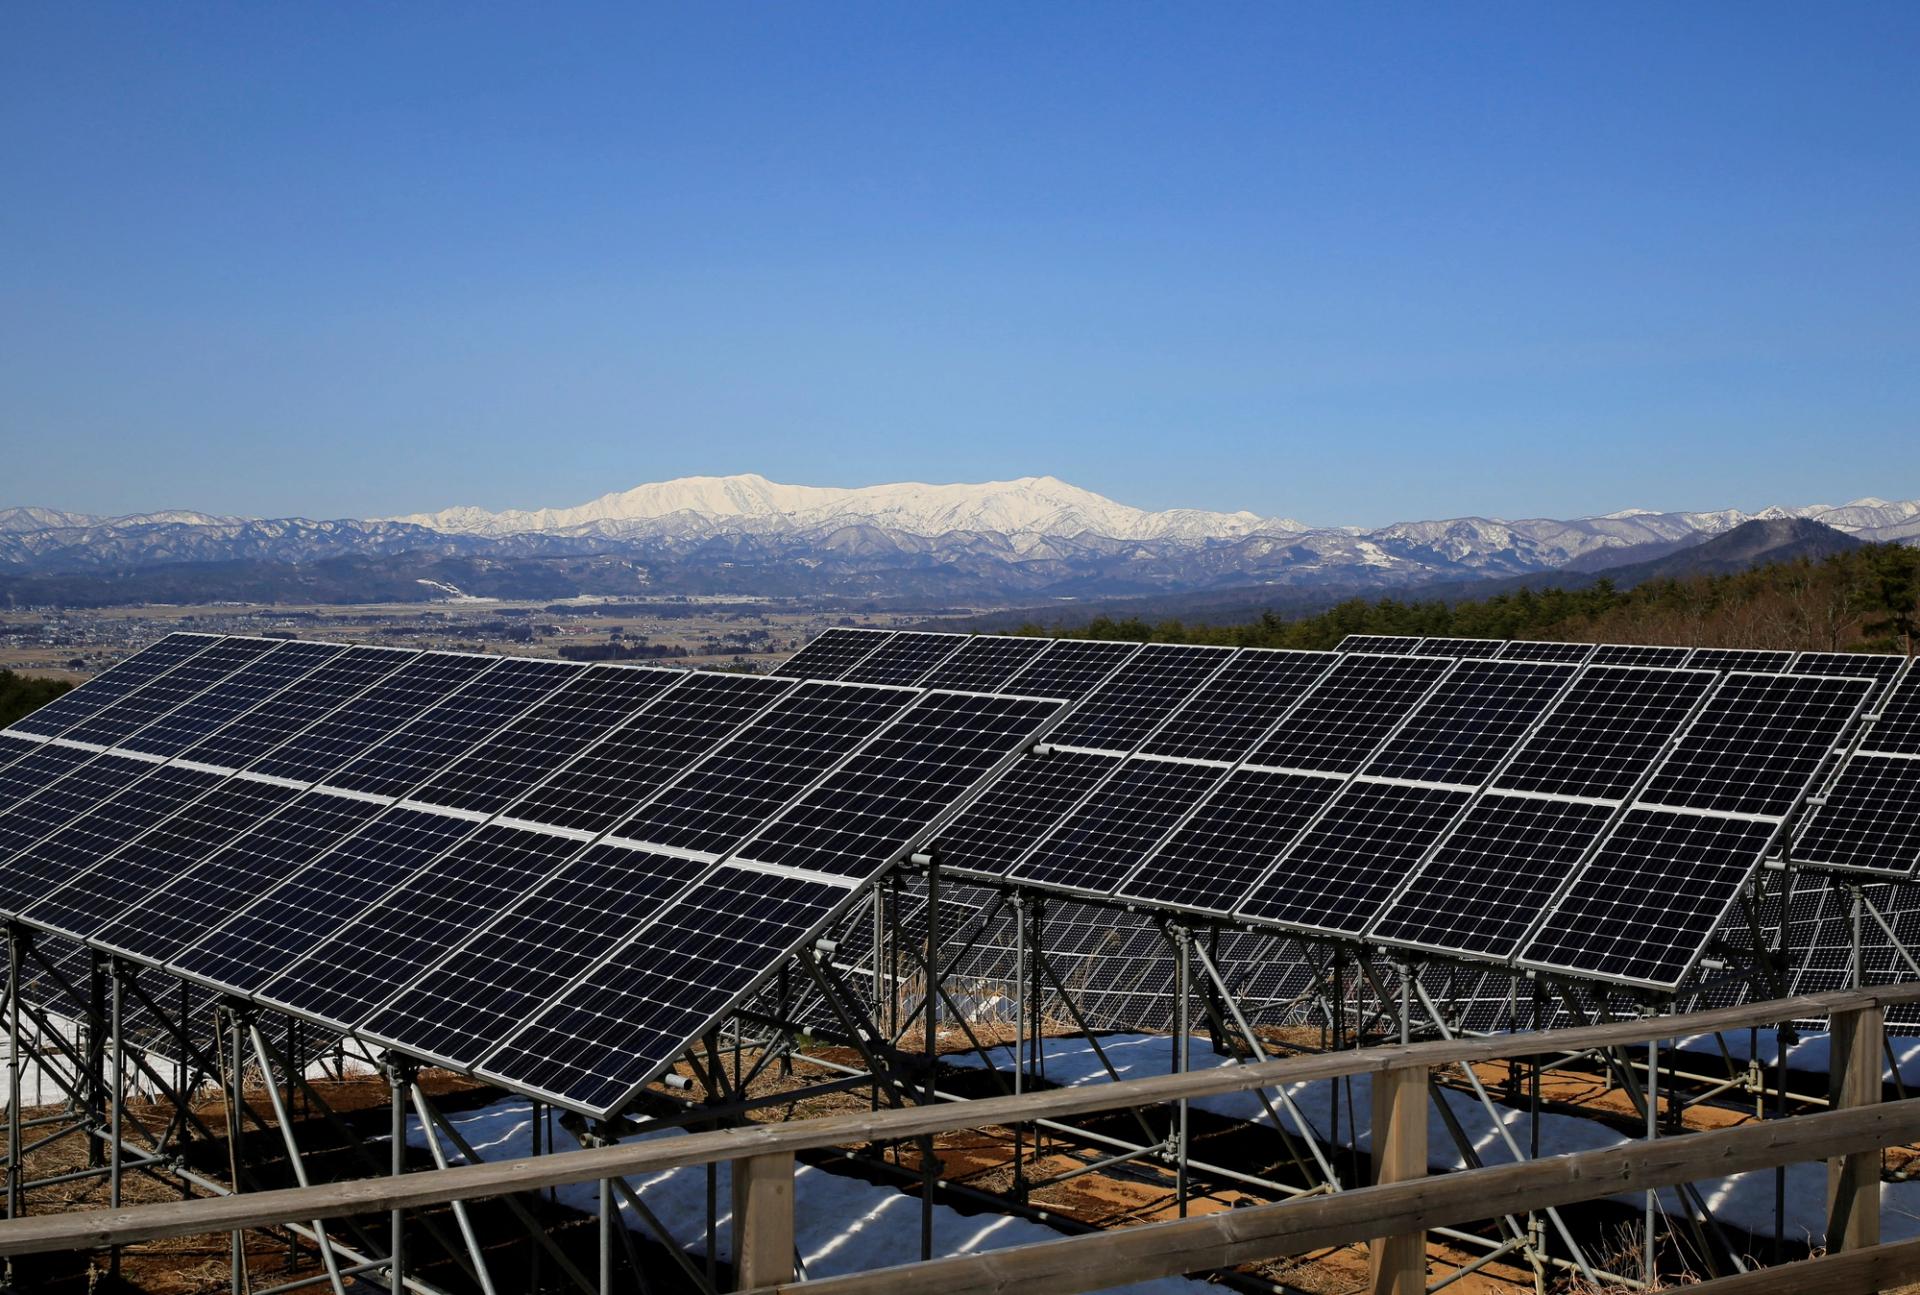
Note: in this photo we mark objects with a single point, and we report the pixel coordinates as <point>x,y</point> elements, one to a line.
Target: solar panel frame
<point>1138,697</point>
<point>1896,723</point>
<point>1070,668</point>
<point>832,653</point>
<point>904,659</point>
<point>232,698</point>
<point>1658,656</point>
<point>1607,732</point>
<point>169,692</point>
<point>1105,839</point>
<point>1461,647</point>
<point>1380,644</point>
<point>1230,840</point>
<point>985,663</point>
<point>112,684</point>
<point>1473,720</point>
<point>301,705</point>
<point>1867,822</point>
<point>997,828</point>
<point>1746,660</point>
<point>1547,650</point>
<point>1354,707</point>
<point>1881,667</point>
<point>1234,709</point>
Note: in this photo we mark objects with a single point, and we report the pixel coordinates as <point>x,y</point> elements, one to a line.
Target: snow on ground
<point>842,1224</point>
<point>1742,1200</point>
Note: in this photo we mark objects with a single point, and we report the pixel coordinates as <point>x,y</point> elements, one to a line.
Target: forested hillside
<point>1864,600</point>
<point>20,694</point>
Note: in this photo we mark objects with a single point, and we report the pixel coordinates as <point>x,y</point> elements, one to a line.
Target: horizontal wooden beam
<point>469,1182</point>
<point>1875,1268</point>
<point>1224,1240</point>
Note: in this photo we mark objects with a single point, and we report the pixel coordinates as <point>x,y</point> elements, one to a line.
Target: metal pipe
<point>293,1153</point>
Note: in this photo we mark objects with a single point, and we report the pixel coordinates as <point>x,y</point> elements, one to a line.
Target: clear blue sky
<point>1348,262</point>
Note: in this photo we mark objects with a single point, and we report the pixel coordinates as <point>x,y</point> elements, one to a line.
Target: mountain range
<point>1030,540</point>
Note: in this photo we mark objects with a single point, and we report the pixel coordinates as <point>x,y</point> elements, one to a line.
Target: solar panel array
<point>558,875</point>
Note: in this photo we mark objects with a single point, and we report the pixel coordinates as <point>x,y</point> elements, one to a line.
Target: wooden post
<point>1397,1265</point>
<point>763,1220</point>
<point>1853,1182</point>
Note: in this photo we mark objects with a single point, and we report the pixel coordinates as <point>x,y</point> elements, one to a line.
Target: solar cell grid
<point>1870,821</point>
<point>904,658</point>
<point>46,763</point>
<point>1462,731</point>
<point>1897,727</point>
<point>832,654</point>
<point>425,745</point>
<point>112,684</point>
<point>1103,840</point>
<point>1492,876</point>
<point>371,716</point>
<point>91,899</point>
<point>1640,654</point>
<point>1337,876</point>
<point>1606,731</point>
<point>470,1002</point>
<point>1141,693</point>
<point>59,803</point>
<point>1880,667</point>
<point>229,878</point>
<point>1070,668</point>
<point>358,966</point>
<point>587,707</point>
<point>1461,647</point>
<point>1005,820</point>
<point>718,802</point>
<point>1227,716</point>
<point>177,686</point>
<point>1528,650</point>
<point>863,813</point>
<point>13,747</point>
<point>263,939</point>
<point>985,663</point>
<point>1386,644</point>
<point>91,836</point>
<point>631,1016</point>
<point>1350,710</point>
<point>608,781</point>
<point>230,698</point>
<point>1756,744</point>
<point>1643,909</point>
<point>300,705</point>
<point>1756,659</point>
<point>1213,860</point>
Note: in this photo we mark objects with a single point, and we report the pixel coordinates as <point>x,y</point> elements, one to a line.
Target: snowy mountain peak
<point>1025,506</point>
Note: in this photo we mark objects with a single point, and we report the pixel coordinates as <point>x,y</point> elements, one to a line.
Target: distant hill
<point>1748,545</point>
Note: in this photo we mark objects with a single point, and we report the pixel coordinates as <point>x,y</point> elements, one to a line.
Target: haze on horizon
<point>1351,267</point>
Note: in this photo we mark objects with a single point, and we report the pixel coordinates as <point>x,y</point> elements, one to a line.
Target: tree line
<point>1864,600</point>
<point>20,694</point>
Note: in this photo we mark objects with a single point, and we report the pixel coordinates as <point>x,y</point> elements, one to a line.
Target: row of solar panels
<point>1554,805</point>
<point>550,874</point>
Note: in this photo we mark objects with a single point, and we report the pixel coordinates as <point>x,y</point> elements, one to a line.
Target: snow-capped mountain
<point>1028,506</point>
<point>1026,540</point>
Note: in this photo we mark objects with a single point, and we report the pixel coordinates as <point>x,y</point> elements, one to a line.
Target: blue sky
<point>1351,263</point>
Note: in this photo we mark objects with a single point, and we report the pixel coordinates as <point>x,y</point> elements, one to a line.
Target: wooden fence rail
<point>1393,1214</point>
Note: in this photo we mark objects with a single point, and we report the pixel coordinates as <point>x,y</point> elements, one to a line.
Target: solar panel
<point>224,882</point>
<point>587,707</point>
<point>111,685</point>
<point>426,744</point>
<point>903,658</point>
<point>1492,876</point>
<point>608,781</point>
<point>627,1020</point>
<point>90,899</point>
<point>1386,644</point>
<point>1103,840</point>
<point>1640,654</point>
<point>1763,660</point>
<point>1898,727</point>
<point>1756,744</point>
<point>1354,705</point>
<point>181,684</point>
<point>372,715</point>
<point>59,803</point>
<point>717,802</point>
<point>47,763</point>
<point>1643,909</point>
<point>1213,859</point>
<point>1881,667</point>
<point>1230,713</point>
<point>302,703</point>
<point>351,971</point>
<point>1004,821</point>
<point>1461,647</point>
<point>1529,650</point>
<point>864,813</point>
<point>832,654</point>
<point>985,663</point>
<point>251,947</point>
<point>1606,731</point>
<point>509,969</point>
<point>1870,821</point>
<point>1337,876</point>
<point>91,836</point>
<point>1469,723</point>
<point>1070,668</point>
<point>1125,709</point>
<point>230,698</point>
